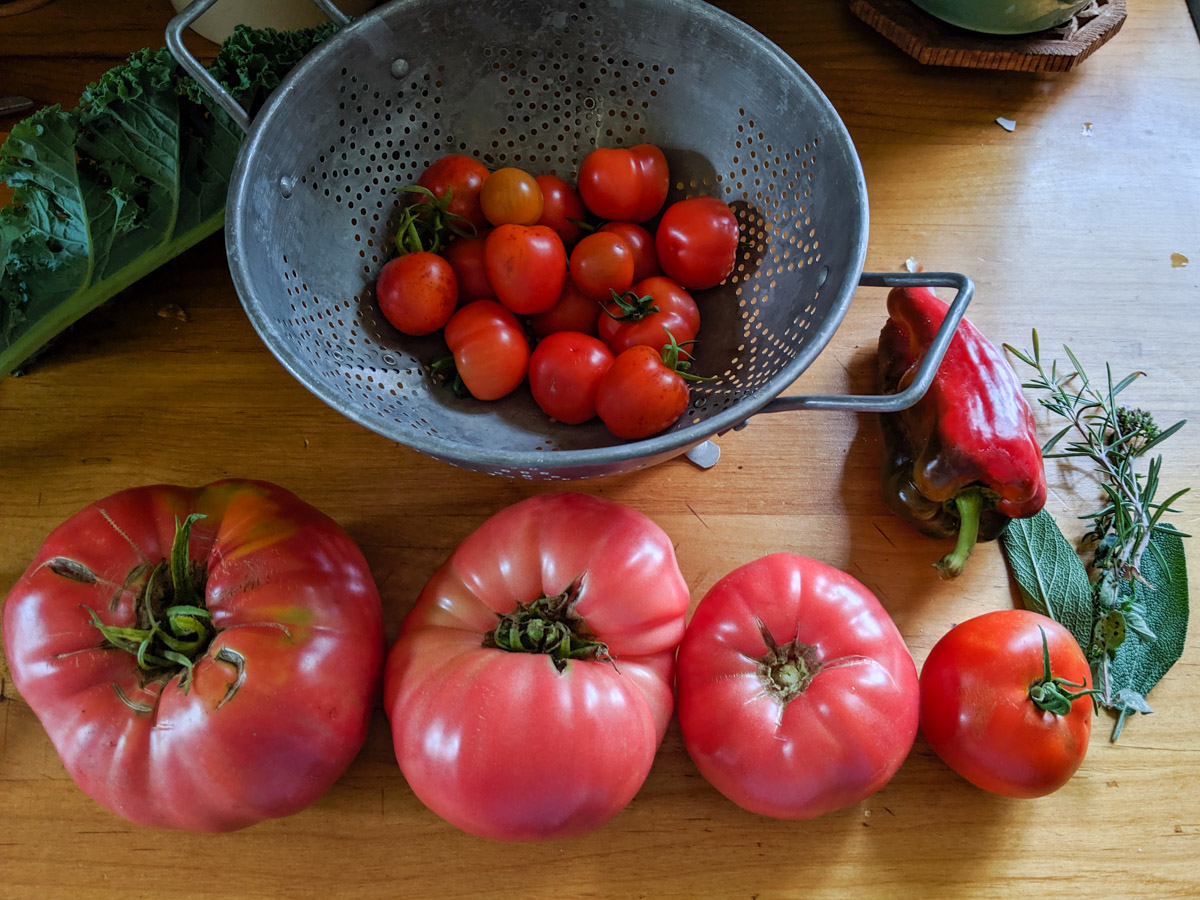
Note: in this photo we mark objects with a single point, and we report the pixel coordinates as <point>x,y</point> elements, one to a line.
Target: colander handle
<point>929,364</point>
<point>195,68</point>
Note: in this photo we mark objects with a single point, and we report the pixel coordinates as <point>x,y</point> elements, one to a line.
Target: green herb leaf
<point>1051,576</point>
<point>1137,665</point>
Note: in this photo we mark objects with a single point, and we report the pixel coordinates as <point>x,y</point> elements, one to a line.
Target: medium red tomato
<point>564,374</point>
<point>642,392</point>
<point>530,686</point>
<point>462,177</point>
<point>527,265</point>
<point>572,312</point>
<point>797,695</point>
<point>641,316</point>
<point>261,639</point>
<point>697,241</point>
<point>489,347</point>
<point>562,208</point>
<point>1005,702</point>
<point>417,292</point>
<point>466,258</point>
<point>641,242</point>
<point>602,263</point>
<point>624,183</point>
<point>511,197</point>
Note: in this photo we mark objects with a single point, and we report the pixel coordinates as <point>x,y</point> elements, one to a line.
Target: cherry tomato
<point>527,265</point>
<point>640,394</point>
<point>629,320</point>
<point>489,347</point>
<point>624,183</point>
<point>572,312</point>
<point>562,208</point>
<point>564,374</point>
<point>641,242</point>
<point>462,177</point>
<point>602,263</point>
<point>978,706</point>
<point>466,258</point>
<point>417,292</point>
<point>797,695</point>
<point>511,197</point>
<point>697,242</point>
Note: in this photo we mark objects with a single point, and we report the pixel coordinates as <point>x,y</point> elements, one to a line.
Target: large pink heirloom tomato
<point>201,658</point>
<point>797,695</point>
<point>530,685</point>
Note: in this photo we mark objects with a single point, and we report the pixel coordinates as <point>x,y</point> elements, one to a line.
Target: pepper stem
<point>1049,693</point>
<point>969,503</point>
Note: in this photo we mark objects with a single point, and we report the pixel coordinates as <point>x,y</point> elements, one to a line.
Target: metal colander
<point>312,205</point>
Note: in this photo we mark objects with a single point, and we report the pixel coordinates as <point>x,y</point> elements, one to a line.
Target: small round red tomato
<point>624,183</point>
<point>530,686</point>
<point>1005,703</point>
<point>417,292</point>
<point>797,695</point>
<point>527,266</point>
<point>462,177</point>
<point>511,196</point>
<point>565,369</point>
<point>697,242</point>
<point>602,263</point>
<point>641,393</point>
<point>490,351</point>
<point>466,258</point>
<point>641,242</point>
<point>562,208</point>
<point>641,315</point>
<point>572,312</point>
<point>201,658</point>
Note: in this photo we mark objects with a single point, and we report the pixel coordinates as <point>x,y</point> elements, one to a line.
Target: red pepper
<point>965,459</point>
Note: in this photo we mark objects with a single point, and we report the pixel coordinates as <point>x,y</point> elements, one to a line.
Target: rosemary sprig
<point>1113,438</point>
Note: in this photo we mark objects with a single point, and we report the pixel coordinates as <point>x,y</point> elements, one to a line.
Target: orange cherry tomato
<point>511,197</point>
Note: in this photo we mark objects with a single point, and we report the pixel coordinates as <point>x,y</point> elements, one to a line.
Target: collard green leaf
<point>136,174</point>
<point>1050,574</point>
<point>1138,664</point>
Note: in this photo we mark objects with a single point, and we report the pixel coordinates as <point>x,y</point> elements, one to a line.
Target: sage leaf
<point>1137,666</point>
<point>1052,578</point>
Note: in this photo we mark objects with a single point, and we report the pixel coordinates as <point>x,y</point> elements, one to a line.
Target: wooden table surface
<point>1068,224</point>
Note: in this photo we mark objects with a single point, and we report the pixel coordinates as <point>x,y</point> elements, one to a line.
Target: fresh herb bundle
<point>1129,613</point>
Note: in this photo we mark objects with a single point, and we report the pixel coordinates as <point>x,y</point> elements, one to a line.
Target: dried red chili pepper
<point>965,459</point>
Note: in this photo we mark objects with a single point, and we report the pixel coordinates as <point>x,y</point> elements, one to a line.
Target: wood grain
<point>933,42</point>
<point>1067,224</point>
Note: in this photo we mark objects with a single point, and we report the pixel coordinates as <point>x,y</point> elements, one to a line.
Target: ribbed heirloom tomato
<point>201,659</point>
<point>1005,702</point>
<point>797,695</point>
<point>530,685</point>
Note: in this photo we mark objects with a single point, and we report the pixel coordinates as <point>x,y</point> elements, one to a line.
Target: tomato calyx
<point>549,625</point>
<point>786,670</point>
<point>445,370</point>
<point>173,627</point>
<point>1049,693</point>
<point>629,307</point>
<point>428,224</point>
<point>679,360</point>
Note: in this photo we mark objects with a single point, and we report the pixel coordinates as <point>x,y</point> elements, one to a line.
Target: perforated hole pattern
<point>540,106</point>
